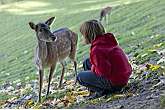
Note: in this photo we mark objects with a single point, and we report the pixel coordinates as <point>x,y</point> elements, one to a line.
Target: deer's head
<point>43,31</point>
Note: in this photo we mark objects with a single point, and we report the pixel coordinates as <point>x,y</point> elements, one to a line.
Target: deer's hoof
<point>75,82</point>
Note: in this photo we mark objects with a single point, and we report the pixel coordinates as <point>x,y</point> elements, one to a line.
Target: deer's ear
<point>50,21</point>
<point>32,25</point>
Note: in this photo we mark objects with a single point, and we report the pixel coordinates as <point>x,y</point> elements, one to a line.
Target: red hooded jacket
<point>109,61</point>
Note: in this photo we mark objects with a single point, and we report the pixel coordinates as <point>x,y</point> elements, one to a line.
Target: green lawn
<point>138,24</point>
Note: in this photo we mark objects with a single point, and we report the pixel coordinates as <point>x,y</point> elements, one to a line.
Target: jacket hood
<point>105,40</point>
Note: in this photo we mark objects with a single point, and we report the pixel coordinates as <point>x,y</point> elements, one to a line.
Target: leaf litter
<point>146,77</point>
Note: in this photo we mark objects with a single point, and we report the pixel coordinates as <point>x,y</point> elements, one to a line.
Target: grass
<point>138,24</point>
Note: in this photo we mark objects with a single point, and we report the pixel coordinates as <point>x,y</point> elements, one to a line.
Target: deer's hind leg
<point>73,59</point>
<point>72,54</point>
<point>105,19</point>
<point>52,68</point>
<point>62,75</point>
<point>108,20</point>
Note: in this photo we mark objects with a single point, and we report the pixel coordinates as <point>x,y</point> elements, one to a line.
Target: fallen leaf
<point>10,88</point>
<point>119,107</point>
<point>152,50</point>
<point>27,78</point>
<point>70,98</point>
<point>2,102</point>
<point>69,87</point>
<point>25,52</point>
<point>94,101</point>
<point>153,67</point>
<point>80,65</point>
<point>129,94</point>
<point>11,100</point>
<point>117,96</point>
<point>162,60</point>
<point>70,66</point>
<point>7,74</point>
<point>109,99</point>
<point>37,106</point>
<point>60,105</point>
<point>158,45</point>
<point>82,93</point>
<point>48,104</point>
<point>162,52</point>
<point>29,103</point>
<point>80,99</point>
<point>144,55</point>
<point>81,88</point>
<point>132,33</point>
<point>70,82</point>
<point>17,81</point>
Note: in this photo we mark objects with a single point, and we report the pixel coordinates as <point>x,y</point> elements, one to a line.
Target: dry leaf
<point>60,104</point>
<point>10,88</point>
<point>95,101</point>
<point>158,45</point>
<point>80,66</point>
<point>152,50</point>
<point>2,102</point>
<point>117,96</point>
<point>109,99</point>
<point>17,81</point>
<point>153,67</point>
<point>29,103</point>
<point>162,60</point>
<point>37,106</point>
<point>70,97</point>
<point>129,94</point>
<point>70,82</point>
<point>79,99</point>
<point>82,93</point>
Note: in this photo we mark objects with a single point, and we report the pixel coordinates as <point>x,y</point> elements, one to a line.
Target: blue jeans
<point>93,82</point>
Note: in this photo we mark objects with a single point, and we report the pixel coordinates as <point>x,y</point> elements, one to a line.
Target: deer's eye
<point>41,30</point>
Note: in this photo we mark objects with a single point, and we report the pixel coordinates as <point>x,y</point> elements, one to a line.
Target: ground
<point>137,24</point>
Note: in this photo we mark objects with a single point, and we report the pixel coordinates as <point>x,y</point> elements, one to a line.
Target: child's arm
<point>100,64</point>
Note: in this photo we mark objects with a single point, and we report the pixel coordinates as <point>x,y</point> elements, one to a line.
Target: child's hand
<point>92,69</point>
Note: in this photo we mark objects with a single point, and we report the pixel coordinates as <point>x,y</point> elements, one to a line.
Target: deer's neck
<point>42,50</point>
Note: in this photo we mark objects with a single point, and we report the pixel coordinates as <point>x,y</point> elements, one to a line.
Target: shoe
<point>94,96</point>
<point>90,94</point>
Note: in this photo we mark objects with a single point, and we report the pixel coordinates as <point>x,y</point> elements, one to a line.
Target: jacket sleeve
<point>100,64</point>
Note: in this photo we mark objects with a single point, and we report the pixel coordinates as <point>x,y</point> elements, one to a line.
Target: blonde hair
<point>90,29</point>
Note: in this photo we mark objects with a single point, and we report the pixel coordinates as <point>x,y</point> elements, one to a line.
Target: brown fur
<point>49,52</point>
<point>105,12</point>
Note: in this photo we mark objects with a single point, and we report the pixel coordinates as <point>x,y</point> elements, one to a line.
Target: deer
<point>105,12</point>
<point>53,47</point>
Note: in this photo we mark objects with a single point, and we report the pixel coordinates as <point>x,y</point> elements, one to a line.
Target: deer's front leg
<point>50,78</point>
<point>62,75</point>
<point>75,67</point>
<point>41,72</point>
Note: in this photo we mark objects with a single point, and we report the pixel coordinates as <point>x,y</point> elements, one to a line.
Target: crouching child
<point>108,69</point>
